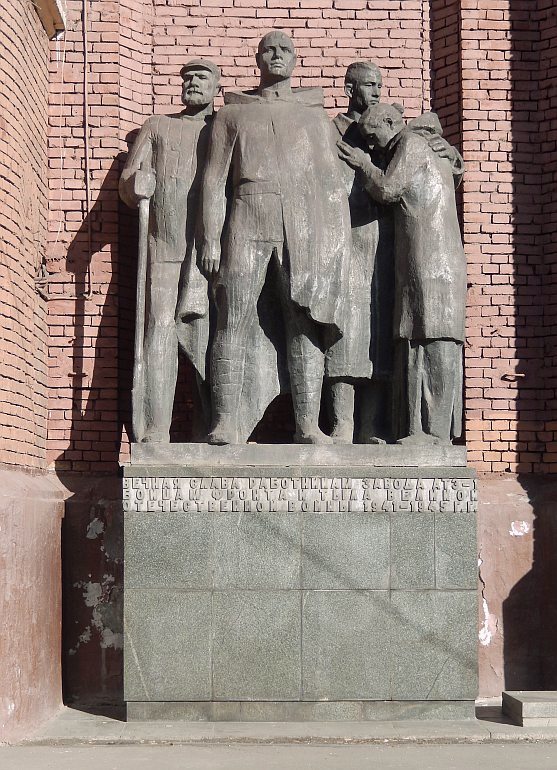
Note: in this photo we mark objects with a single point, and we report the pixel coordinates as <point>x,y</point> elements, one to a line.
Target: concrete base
<point>530,708</point>
<point>299,458</point>
<point>294,711</point>
<point>253,594</point>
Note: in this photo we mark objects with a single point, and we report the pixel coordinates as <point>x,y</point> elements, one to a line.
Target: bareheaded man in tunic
<point>165,165</point>
<point>430,273</point>
<point>360,364</point>
<point>288,217</point>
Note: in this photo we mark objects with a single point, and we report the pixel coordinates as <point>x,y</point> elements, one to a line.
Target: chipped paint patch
<point>104,599</point>
<point>95,528</point>
<point>92,593</point>
<point>489,626</point>
<point>490,623</point>
<point>519,528</point>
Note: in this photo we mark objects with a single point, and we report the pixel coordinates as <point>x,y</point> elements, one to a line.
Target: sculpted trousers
<point>429,377</point>
<point>238,288</point>
<point>160,348</point>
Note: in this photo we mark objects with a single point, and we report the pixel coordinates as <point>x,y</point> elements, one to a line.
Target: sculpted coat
<point>272,174</point>
<point>351,355</point>
<point>429,258</point>
<point>274,146</point>
<point>175,147</point>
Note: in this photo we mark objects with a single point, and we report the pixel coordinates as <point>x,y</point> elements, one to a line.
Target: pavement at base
<point>524,756</point>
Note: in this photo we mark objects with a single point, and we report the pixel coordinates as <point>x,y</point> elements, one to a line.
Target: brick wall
<point>502,228</point>
<point>548,137</point>
<point>23,206</point>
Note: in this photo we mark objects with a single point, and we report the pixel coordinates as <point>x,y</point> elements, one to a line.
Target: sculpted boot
<point>342,403</point>
<point>227,378</point>
<point>307,401</point>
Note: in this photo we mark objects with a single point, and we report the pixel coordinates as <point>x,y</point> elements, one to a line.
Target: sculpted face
<point>379,126</point>
<point>199,87</point>
<point>363,87</point>
<point>276,57</point>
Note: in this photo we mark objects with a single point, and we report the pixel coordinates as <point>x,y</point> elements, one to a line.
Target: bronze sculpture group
<point>283,253</point>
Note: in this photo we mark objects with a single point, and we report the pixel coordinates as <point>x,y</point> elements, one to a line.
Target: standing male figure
<point>430,273</point>
<point>350,361</point>
<point>165,165</point>
<point>368,334</point>
<point>288,214</point>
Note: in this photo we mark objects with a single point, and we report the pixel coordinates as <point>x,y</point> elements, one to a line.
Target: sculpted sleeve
<point>141,154</point>
<point>389,186</point>
<point>219,158</point>
<point>457,163</point>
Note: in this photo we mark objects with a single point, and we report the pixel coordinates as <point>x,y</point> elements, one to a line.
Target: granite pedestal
<point>298,583</point>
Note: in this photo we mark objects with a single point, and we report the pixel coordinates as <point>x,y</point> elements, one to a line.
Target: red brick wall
<point>548,156</point>
<point>23,206</point>
<point>502,228</point>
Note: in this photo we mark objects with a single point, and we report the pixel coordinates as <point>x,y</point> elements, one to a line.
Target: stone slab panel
<point>412,550</point>
<point>346,645</point>
<point>456,551</point>
<point>297,457</point>
<point>434,645</point>
<point>535,708</point>
<point>256,645</point>
<point>168,551</point>
<point>329,493</point>
<point>345,551</point>
<point>167,645</point>
<point>296,711</point>
<point>257,551</point>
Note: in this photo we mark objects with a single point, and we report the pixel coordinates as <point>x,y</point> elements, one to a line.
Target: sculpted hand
<point>210,258</point>
<point>356,158</point>
<point>440,146</point>
<point>144,184</point>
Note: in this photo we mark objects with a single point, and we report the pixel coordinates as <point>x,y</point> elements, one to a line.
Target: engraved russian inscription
<point>315,494</point>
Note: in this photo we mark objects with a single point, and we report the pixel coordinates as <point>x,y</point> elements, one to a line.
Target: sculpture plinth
<point>281,582</point>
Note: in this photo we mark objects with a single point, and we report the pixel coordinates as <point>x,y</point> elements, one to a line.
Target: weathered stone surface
<point>345,551</point>
<point>295,460</point>
<point>256,551</point>
<point>308,494</point>
<point>434,657</point>
<point>412,550</point>
<point>256,645</point>
<point>430,269</point>
<point>456,551</point>
<point>31,511</point>
<point>531,708</point>
<point>299,711</point>
<point>179,552</point>
<point>346,645</point>
<point>162,177</point>
<point>302,580</point>
<point>167,645</point>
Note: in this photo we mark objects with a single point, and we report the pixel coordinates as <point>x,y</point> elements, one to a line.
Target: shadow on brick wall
<point>530,610</point>
<point>92,532</point>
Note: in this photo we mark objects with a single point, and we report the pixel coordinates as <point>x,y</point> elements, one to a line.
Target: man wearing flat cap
<point>165,166</point>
